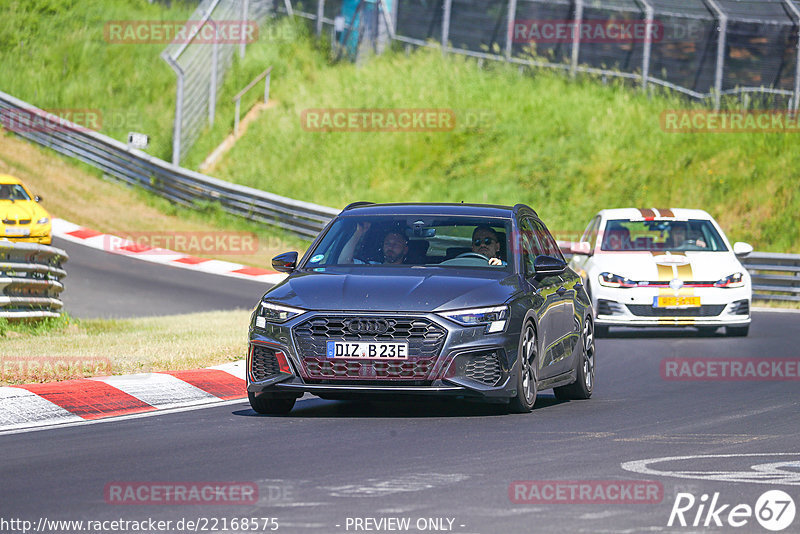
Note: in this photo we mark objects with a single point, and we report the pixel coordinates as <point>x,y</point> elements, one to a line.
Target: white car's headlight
<point>733,280</point>
<point>615,280</point>
<point>494,318</point>
<point>43,220</point>
<point>275,313</point>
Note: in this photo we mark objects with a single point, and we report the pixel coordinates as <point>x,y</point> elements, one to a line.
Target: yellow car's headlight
<point>43,220</point>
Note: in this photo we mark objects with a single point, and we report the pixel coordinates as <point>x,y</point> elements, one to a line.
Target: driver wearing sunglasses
<point>486,242</point>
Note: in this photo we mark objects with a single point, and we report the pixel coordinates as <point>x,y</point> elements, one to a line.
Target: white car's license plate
<point>369,350</point>
<point>18,231</point>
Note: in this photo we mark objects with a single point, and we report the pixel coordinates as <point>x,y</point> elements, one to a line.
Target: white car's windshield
<point>661,236</point>
<point>414,240</point>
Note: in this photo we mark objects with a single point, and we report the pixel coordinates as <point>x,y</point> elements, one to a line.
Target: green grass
<point>76,348</point>
<point>566,147</point>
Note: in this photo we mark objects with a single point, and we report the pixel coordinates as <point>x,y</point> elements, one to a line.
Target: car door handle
<point>560,291</point>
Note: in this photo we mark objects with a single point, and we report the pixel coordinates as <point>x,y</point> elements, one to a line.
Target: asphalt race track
<point>331,462</point>
<point>99,284</point>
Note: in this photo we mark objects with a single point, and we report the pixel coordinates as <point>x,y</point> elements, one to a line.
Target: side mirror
<point>548,265</point>
<point>37,198</point>
<point>285,263</point>
<point>741,249</point>
<point>582,247</point>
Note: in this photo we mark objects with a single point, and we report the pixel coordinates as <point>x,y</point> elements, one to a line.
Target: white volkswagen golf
<point>663,267</point>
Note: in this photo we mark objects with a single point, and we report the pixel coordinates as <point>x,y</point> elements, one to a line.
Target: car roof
<point>654,213</point>
<point>8,179</point>
<point>422,208</point>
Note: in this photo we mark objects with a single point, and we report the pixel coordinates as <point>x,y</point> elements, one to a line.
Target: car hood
<point>412,290</point>
<point>21,209</point>
<point>691,266</point>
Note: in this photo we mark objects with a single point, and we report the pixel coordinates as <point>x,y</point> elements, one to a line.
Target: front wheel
<point>526,376</point>
<point>271,405</point>
<point>583,386</point>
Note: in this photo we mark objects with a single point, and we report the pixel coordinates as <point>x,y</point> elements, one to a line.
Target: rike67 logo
<point>774,510</point>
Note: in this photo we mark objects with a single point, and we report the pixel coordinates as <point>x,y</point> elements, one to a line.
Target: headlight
<point>494,318</point>
<point>615,280</point>
<point>734,280</point>
<point>43,220</point>
<point>275,313</point>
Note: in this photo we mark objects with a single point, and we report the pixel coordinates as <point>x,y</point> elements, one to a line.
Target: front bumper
<point>39,233</point>
<point>635,307</point>
<point>467,363</point>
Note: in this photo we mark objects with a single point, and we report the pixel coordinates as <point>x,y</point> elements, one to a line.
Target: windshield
<point>13,192</point>
<point>478,242</point>
<point>662,236</point>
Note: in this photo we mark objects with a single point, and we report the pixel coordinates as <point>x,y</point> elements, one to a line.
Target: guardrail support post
<point>289,9</point>
<point>576,37</point>
<point>447,7</point>
<point>512,15</point>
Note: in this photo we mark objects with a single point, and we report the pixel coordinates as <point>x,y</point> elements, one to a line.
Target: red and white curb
<point>87,399</point>
<point>117,245</point>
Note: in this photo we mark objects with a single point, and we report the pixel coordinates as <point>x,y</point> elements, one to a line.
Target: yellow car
<point>21,216</point>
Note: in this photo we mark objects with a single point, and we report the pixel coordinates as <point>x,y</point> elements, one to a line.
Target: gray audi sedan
<point>465,300</point>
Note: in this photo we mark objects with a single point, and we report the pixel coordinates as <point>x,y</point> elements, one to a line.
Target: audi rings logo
<point>368,326</point>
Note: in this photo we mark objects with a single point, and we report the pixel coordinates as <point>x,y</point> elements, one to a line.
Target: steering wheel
<point>476,255</point>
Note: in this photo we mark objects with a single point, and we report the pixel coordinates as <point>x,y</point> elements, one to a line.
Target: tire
<point>271,405</point>
<point>600,331</point>
<point>583,386</point>
<point>526,371</point>
<point>737,331</point>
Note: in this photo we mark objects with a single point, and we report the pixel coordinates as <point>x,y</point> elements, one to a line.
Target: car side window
<point>530,245</point>
<point>549,244</point>
<point>590,234</point>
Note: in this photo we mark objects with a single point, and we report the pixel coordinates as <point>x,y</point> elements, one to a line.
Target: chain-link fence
<point>200,58</point>
<point>706,49</point>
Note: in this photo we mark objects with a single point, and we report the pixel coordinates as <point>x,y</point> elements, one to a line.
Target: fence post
<point>320,16</point>
<point>212,82</point>
<point>721,43</point>
<point>266,88</point>
<point>446,24</point>
<point>289,9</point>
<point>649,15</point>
<point>176,125</point>
<point>512,15</point>
<point>245,13</point>
<point>576,37</point>
<point>796,97</point>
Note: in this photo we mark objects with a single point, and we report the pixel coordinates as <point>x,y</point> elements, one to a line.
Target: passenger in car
<point>395,247</point>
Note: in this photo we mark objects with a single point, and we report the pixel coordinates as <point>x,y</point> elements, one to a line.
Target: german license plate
<point>367,349</point>
<point>18,231</point>
<point>676,302</point>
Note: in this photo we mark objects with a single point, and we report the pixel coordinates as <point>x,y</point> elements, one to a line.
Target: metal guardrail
<point>30,280</point>
<point>775,276</point>
<point>175,183</point>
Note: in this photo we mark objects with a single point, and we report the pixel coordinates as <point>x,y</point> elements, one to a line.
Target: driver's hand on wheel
<point>495,261</point>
